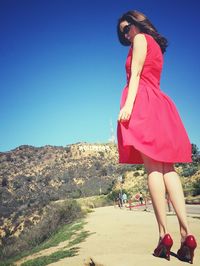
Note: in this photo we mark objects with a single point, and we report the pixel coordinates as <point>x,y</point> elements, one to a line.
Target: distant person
<point>124,198</point>
<point>116,202</point>
<point>150,130</point>
<point>146,203</point>
<point>120,200</point>
<point>130,201</point>
<point>141,198</point>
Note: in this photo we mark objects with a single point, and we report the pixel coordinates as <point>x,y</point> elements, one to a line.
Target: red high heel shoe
<point>186,251</point>
<point>163,248</point>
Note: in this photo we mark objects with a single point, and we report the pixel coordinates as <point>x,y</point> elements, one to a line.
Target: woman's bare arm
<point>139,55</point>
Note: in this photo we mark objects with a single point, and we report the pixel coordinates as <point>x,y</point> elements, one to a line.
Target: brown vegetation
<point>31,178</point>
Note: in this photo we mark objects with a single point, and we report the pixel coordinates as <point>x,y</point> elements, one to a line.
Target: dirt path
<point>127,238</point>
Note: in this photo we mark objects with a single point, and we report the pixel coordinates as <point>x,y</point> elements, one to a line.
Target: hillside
<point>32,177</point>
<point>51,169</point>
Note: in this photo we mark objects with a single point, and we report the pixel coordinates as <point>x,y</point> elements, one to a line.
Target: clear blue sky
<point>62,67</point>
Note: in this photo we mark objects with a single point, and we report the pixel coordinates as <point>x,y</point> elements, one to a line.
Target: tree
<point>195,153</point>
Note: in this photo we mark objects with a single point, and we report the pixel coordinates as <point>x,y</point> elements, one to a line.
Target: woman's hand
<point>125,113</point>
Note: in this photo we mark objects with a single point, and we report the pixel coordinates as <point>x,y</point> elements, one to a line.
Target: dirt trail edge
<point>121,237</point>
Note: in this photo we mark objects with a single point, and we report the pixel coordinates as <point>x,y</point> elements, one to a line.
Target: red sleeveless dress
<point>155,127</point>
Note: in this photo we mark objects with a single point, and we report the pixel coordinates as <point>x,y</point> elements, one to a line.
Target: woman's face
<point>128,30</point>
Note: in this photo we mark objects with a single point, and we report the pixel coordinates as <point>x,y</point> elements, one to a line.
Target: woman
<point>150,130</point>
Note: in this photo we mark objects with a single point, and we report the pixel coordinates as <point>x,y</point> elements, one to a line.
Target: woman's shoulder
<point>151,42</point>
<point>139,37</point>
<point>147,36</point>
<point>139,40</point>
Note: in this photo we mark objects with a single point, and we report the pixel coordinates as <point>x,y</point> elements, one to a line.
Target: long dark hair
<point>144,24</point>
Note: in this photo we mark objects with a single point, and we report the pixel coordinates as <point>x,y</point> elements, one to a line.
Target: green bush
<point>135,174</point>
<point>189,171</point>
<point>139,167</point>
<point>95,201</point>
<point>196,188</point>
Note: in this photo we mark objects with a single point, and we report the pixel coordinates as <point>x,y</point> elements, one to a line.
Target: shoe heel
<point>191,256</point>
<point>168,248</point>
<point>168,255</point>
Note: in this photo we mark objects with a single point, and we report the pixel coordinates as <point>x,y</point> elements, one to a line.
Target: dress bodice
<point>152,67</point>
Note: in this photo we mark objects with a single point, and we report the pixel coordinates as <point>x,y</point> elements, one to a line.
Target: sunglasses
<point>126,29</point>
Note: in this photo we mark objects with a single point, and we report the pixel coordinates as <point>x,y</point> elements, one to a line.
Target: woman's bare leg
<point>175,191</point>
<point>157,191</point>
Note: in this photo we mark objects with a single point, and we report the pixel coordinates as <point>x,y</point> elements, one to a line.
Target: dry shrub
<point>54,216</point>
<point>95,201</point>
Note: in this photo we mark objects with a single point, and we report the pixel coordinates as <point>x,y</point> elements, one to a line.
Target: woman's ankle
<point>162,232</point>
<point>184,234</point>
